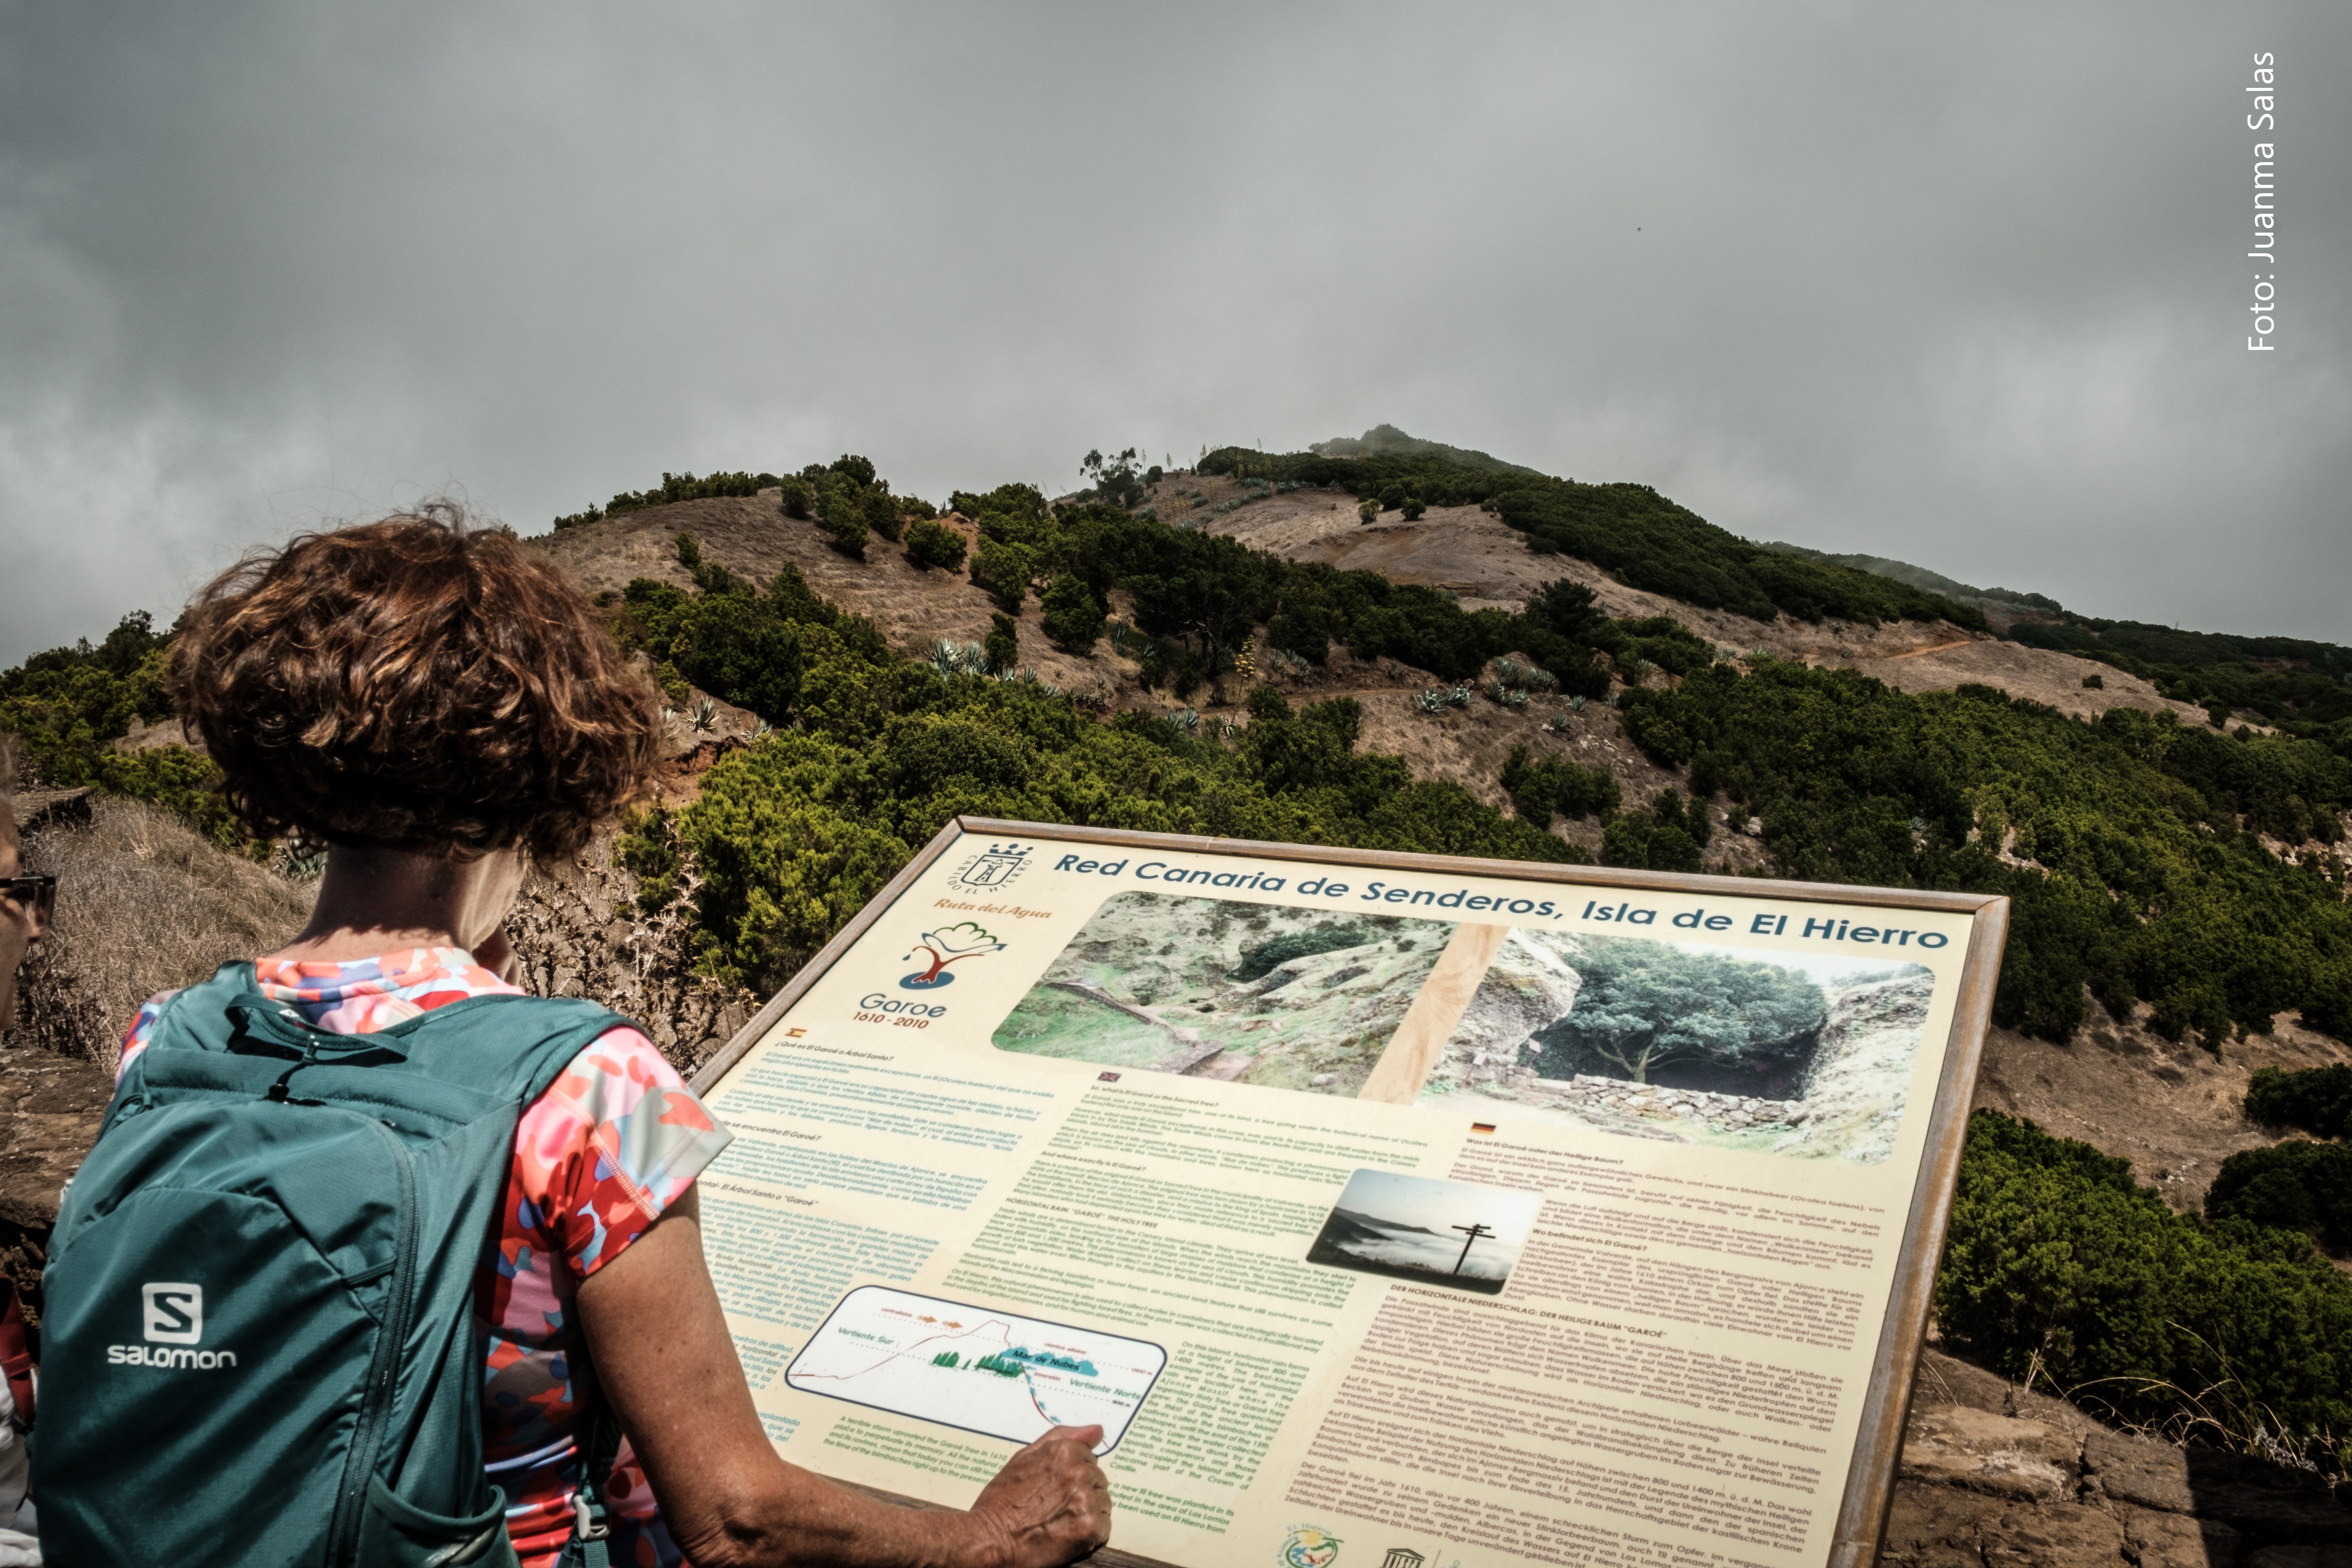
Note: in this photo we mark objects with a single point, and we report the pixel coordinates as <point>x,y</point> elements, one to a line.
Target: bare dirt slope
<point>1476,556</point>
<point>2174,1109</point>
<point>750,535</point>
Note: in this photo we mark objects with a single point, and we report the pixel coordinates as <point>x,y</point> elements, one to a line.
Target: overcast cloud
<point>1963,285</point>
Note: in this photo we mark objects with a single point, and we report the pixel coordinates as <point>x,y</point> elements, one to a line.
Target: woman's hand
<point>1051,1501</point>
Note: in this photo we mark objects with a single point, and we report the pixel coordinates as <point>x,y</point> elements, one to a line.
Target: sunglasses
<point>35,896</point>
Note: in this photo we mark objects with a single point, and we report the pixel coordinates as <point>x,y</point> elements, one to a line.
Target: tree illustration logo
<point>948,944</point>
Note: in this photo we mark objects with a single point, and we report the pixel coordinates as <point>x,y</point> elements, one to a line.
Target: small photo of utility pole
<point>1455,1234</point>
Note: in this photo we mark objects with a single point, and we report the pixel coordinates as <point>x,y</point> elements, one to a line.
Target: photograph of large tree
<point>1772,1052</point>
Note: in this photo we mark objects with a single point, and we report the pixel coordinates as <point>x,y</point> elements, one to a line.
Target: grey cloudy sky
<point>1964,285</point>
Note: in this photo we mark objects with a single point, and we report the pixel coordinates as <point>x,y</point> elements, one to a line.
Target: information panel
<point>1386,1211</point>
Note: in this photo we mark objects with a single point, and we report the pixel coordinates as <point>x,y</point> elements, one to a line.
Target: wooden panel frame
<point>1870,1475</point>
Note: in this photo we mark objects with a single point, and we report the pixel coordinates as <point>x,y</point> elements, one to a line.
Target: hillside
<point>2169,1107</point>
<point>1394,646</point>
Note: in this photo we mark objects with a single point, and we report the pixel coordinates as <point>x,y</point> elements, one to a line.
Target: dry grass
<point>144,905</point>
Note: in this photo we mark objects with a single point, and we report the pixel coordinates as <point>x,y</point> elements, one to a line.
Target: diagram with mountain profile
<point>997,1374</point>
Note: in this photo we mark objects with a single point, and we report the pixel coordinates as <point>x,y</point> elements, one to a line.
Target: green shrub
<point>1568,609</point>
<point>2061,1266</point>
<point>1074,618</point>
<point>881,512</point>
<point>930,544</point>
<point>689,553</point>
<point>185,782</point>
<point>673,489</point>
<point>2147,885</point>
<point>1639,840</point>
<point>67,705</point>
<point>1004,570</point>
<point>2317,1099</point>
<point>842,514</point>
<point>1263,959</point>
<point>799,498</point>
<point>2296,1185</point>
<point>2094,683</point>
<point>1002,643</point>
<point>1539,790</point>
<point>1648,1005</point>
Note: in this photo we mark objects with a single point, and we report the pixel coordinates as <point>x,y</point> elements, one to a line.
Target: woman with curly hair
<point>440,707</point>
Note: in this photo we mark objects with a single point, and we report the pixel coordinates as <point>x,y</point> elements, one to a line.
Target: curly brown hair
<point>415,684</point>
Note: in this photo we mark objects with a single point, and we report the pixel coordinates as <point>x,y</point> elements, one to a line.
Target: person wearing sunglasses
<point>25,901</point>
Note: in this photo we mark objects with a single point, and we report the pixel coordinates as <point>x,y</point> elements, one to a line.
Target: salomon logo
<point>147,1355</point>
<point>172,1314</point>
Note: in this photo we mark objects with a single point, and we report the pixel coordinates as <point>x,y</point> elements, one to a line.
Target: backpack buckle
<point>588,1523</point>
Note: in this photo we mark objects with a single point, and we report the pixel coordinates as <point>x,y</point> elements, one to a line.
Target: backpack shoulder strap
<point>511,1046</point>
<point>503,1045</point>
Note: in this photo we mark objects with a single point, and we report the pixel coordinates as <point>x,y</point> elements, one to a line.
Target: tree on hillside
<point>1568,607</point>
<point>880,510</point>
<point>1074,618</point>
<point>1003,644</point>
<point>934,544</point>
<point>1116,479</point>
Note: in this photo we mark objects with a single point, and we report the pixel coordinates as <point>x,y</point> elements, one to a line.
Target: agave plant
<point>762,729</point>
<point>1438,699</point>
<point>706,716</point>
<point>1558,723</point>
<point>1508,696</point>
<point>1185,718</point>
<point>300,860</point>
<point>949,656</point>
<point>1576,704</point>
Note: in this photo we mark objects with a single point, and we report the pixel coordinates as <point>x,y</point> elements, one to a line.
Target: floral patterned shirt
<point>598,1157</point>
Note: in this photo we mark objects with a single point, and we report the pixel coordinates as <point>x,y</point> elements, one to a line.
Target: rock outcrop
<point>1994,1477</point>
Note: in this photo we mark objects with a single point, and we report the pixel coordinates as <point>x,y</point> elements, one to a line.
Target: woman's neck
<point>373,902</point>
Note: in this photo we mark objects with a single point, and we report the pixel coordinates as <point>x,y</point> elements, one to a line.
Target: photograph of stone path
<point>1260,994</point>
<point>1765,1051</point>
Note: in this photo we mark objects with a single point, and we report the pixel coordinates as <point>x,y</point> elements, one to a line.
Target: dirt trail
<point>1918,652</point>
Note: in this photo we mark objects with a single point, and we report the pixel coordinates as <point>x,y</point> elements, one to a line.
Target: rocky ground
<point>1995,1477</point>
<point>1151,982</point>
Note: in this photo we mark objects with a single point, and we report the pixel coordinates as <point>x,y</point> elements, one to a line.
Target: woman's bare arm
<point>660,1348</point>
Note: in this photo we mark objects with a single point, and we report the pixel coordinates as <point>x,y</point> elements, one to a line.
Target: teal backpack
<point>258,1336</point>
